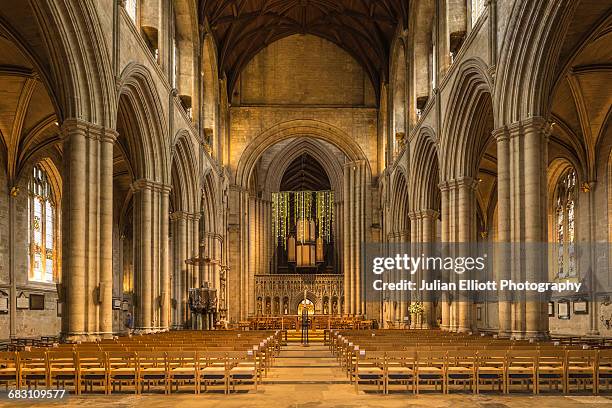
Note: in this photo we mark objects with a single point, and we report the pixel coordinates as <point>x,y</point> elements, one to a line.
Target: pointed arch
<point>525,71</point>
<point>424,192</point>
<point>468,121</point>
<point>184,175</point>
<point>140,120</point>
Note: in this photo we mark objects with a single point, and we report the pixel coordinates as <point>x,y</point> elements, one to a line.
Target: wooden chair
<point>92,370</point>
<point>122,369</point>
<point>430,369</point>
<point>521,367</point>
<point>400,369</point>
<point>32,368</point>
<point>212,369</point>
<point>152,369</point>
<point>461,369</point>
<point>369,369</point>
<point>241,369</point>
<point>182,369</point>
<point>604,369</point>
<point>551,369</point>
<point>9,364</point>
<point>581,369</point>
<point>62,369</point>
<point>491,368</point>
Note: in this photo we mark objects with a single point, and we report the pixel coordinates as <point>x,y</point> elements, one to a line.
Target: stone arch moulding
<point>525,70</point>
<point>296,128</point>
<point>80,63</point>
<point>212,222</point>
<point>294,150</point>
<point>137,86</point>
<point>426,161</point>
<point>184,160</point>
<point>471,85</point>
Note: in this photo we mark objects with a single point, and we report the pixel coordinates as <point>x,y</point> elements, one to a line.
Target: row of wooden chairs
<point>84,370</point>
<point>196,358</point>
<point>444,359</point>
<point>505,370</point>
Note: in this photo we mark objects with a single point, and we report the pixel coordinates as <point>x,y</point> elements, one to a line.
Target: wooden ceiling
<point>305,173</point>
<point>363,28</point>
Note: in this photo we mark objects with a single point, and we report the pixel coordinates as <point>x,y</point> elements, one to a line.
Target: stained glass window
<point>41,224</point>
<point>565,212</point>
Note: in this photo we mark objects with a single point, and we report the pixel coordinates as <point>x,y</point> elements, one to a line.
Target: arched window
<point>42,228</point>
<point>478,7</point>
<point>130,7</point>
<point>565,214</point>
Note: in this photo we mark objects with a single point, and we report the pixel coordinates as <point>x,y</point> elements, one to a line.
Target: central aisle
<point>297,364</point>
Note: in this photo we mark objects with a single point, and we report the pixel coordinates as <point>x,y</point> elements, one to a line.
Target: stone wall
<point>28,323</point>
<point>304,70</point>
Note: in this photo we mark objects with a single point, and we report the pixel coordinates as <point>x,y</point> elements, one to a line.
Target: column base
<point>593,333</point>
<point>143,330</point>
<point>536,336</point>
<point>504,334</point>
<point>85,337</point>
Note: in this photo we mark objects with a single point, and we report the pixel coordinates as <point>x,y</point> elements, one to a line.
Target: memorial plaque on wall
<point>37,302</point>
<point>23,302</point>
<point>4,305</point>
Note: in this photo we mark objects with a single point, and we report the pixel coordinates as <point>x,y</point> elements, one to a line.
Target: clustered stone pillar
<point>186,245</point>
<point>423,232</point>
<point>458,229</point>
<point>355,218</point>
<point>151,256</point>
<point>444,235</point>
<point>522,159</point>
<point>535,134</point>
<point>502,248</point>
<point>87,230</point>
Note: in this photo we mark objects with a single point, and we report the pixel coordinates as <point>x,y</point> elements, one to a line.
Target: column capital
<point>428,213</point>
<point>459,182</point>
<point>444,186</point>
<point>535,123</point>
<point>144,184</point>
<point>90,130</point>
<point>183,215</point>
<point>501,134</point>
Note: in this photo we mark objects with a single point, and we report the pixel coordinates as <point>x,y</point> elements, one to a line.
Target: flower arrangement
<point>416,308</point>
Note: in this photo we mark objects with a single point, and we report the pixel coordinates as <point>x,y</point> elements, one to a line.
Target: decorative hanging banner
<point>289,207</point>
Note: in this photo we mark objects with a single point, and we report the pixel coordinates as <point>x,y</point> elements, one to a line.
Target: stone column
<point>74,223</point>
<point>466,235</point>
<point>165,288</point>
<point>143,266</point>
<point>106,233</point>
<point>536,266</point>
<point>445,301</point>
<point>346,251</point>
<point>502,259</point>
<point>174,272</point>
<point>428,236</point>
<point>588,188</point>
<point>517,204</point>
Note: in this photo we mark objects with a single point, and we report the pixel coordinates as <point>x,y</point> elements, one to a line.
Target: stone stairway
<point>312,364</point>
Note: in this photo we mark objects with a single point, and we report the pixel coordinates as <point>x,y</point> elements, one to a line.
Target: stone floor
<point>307,377</point>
